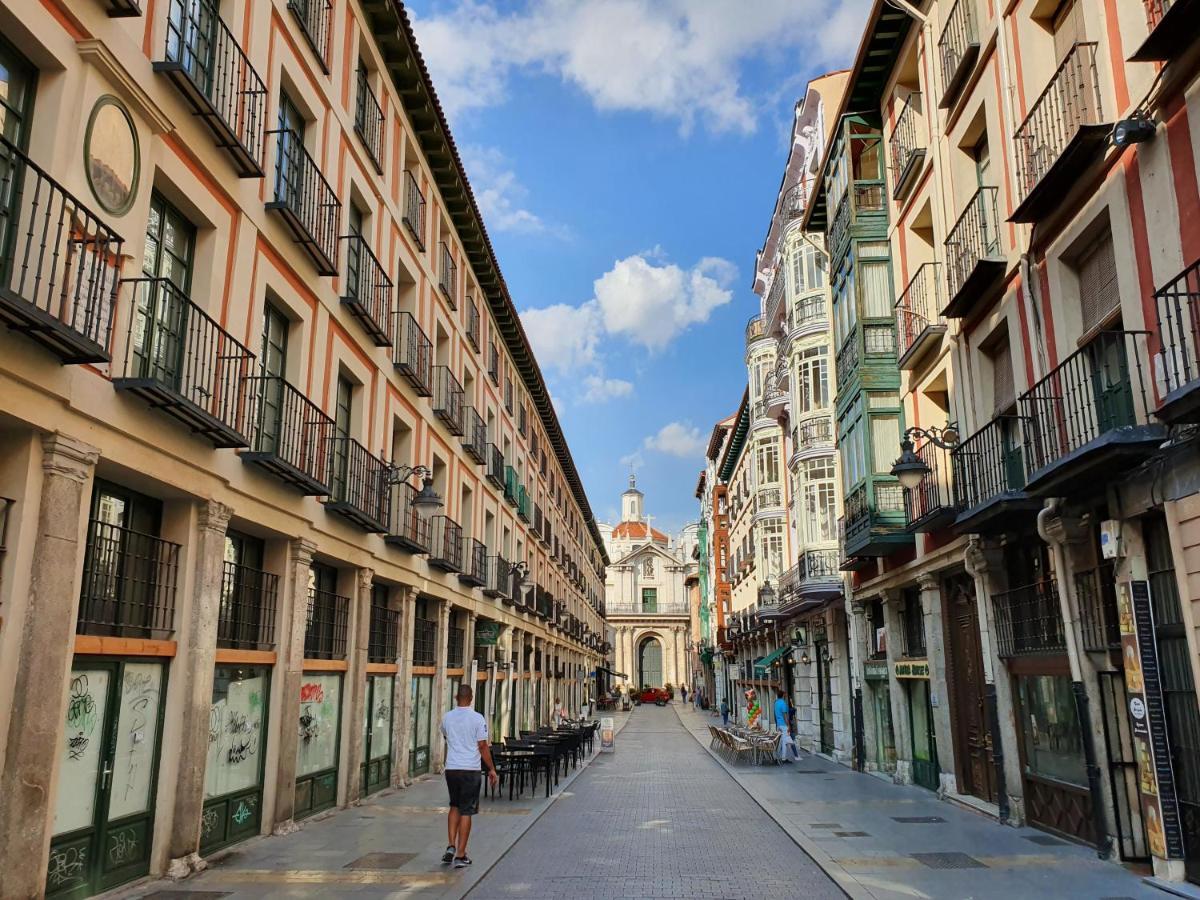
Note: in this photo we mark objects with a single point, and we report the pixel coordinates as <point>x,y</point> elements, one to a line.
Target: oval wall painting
<point>111,155</point>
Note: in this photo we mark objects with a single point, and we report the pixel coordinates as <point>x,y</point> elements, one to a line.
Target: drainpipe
<point>1070,622</point>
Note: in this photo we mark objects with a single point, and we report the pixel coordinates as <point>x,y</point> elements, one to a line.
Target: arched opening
<point>650,672</point>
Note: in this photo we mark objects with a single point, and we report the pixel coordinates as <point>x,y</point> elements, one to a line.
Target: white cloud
<point>564,337</point>
<point>633,460</point>
<point>501,195</point>
<point>677,439</point>
<point>599,389</point>
<point>674,59</point>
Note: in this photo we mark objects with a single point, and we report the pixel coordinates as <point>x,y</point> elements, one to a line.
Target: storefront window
<point>320,707</point>
<point>235,730</point>
<point>1050,728</point>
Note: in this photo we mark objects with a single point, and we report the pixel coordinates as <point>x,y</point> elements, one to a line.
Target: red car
<point>657,696</point>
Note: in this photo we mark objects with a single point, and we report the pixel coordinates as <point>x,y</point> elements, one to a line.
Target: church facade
<point>646,598</point>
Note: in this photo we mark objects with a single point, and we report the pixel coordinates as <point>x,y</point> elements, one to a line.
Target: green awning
<point>763,666</point>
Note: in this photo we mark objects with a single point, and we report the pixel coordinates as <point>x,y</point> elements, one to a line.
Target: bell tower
<point>631,502</point>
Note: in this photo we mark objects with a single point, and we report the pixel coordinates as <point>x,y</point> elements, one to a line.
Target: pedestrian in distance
<point>724,713</point>
<point>560,713</point>
<point>787,746</point>
<point>683,692</point>
<point>467,752</point>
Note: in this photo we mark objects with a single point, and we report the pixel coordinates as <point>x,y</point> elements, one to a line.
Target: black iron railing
<point>989,463</point>
<point>493,366</point>
<point>448,275</point>
<point>814,433</point>
<point>1029,620</point>
<point>906,145</point>
<point>974,237</point>
<point>957,46</point>
<point>424,642</point>
<point>314,16</point>
<point>445,549</point>
<point>205,60</point>
<point>499,577</point>
<point>1098,388</point>
<point>306,201</point>
<point>455,641</point>
<point>383,636</point>
<point>839,225</point>
<point>291,434</point>
<point>512,486</point>
<point>448,399</point>
<point>406,526</point>
<point>1096,593</point>
<point>183,362</point>
<point>368,291</point>
<point>814,564</point>
<point>326,625</point>
<point>60,265</point>
<point>1070,101</point>
<point>808,311</point>
<point>412,354</point>
<point>934,494</point>
<point>129,582</point>
<point>359,484</point>
<point>474,562</point>
<point>919,307</point>
<point>474,436</point>
<point>246,617</point>
<point>1178,305</point>
<point>795,201</point>
<point>414,210</point>
<point>776,294</point>
<point>495,466</point>
<point>473,322</point>
<point>368,119</point>
<point>847,359</point>
<point>122,9</point>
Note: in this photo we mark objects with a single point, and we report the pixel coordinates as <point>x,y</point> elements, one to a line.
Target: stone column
<point>290,670</point>
<point>200,651</point>
<point>857,623</point>
<point>39,699</point>
<point>356,678</point>
<point>536,668</point>
<point>514,684</point>
<point>402,715</point>
<point>935,649</point>
<point>469,651</point>
<point>437,749</point>
<point>901,726</point>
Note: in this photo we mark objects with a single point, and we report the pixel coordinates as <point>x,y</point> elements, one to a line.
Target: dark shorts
<point>464,786</point>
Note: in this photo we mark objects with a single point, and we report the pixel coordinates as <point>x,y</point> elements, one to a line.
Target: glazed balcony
<point>368,119</point>
<point>869,342</point>
<point>989,479</point>
<point>446,547</point>
<point>414,210</point>
<point>424,650</point>
<point>495,466</point>
<point>305,200</point>
<point>472,323</point>
<point>874,516</point>
<point>906,146</point>
<point>1061,137</point>
<point>327,625</point>
<point>291,437</point>
<point>208,66</point>
<point>1029,621</point>
<point>179,360</point>
<point>974,258</point>
<point>313,17</point>
<point>367,291</point>
<point>448,399</point>
<point>475,557</point>
<point>1173,26</point>
<point>358,490</point>
<point>512,486</point>
<point>958,48</point>
<point>930,505</point>
<point>246,616</point>
<point>383,634</point>
<point>129,583</point>
<point>448,275</point>
<point>474,436</point>
<point>814,579</point>
<point>412,354</point>
<point>499,578</point>
<point>919,321</point>
<point>60,266</point>
<point>1086,421</point>
<point>407,528</point>
<point>862,205</point>
<point>1177,363</point>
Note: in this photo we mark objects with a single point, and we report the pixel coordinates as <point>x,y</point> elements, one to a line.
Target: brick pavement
<point>656,819</point>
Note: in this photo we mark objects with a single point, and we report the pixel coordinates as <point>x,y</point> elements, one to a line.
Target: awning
<point>764,665</point>
<point>611,672</point>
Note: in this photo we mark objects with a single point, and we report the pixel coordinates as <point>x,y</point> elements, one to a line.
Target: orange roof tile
<point>637,531</point>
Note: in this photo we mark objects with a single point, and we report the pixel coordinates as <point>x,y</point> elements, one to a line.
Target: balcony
<point>1029,621</point>
<point>123,9</point>
<point>448,276</point>
<point>865,200</point>
<point>474,436</point>
<point>414,210</point>
<point>368,291</point>
<point>313,17</point>
<point>1062,136</point>
<point>446,548</point>
<point>775,298</point>
<point>59,270</point>
<point>412,354</point>
<point>472,323</point>
<point>919,322</point>
<point>1177,364</point>
<point>383,635</point>
<point>181,361</point>
<point>989,479</point>
<point>906,146</point>
<point>795,201</point>
<point>368,120</point>
<point>1096,594</point>
<point>499,578</point>
<point>305,200</point>
<point>958,48</point>
<point>455,641</point>
<point>1086,421</point>
<point>974,258</point>
<point>326,625</point>
<point>755,329</point>
<point>512,486</point>
<point>930,505</point>
<point>424,651</point>
<point>474,563</point>
<point>495,466</point>
<point>206,63</point>
<point>815,434</point>
<point>524,505</point>
<point>246,616</point>
<point>129,583</point>
<point>875,525</point>
<point>1173,26</point>
<point>813,580</point>
<point>291,436</point>
<point>358,492</point>
<point>448,399</point>
<point>407,528</point>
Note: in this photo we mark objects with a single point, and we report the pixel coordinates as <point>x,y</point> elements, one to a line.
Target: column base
<point>286,827</point>
<point>903,773</point>
<point>184,866</point>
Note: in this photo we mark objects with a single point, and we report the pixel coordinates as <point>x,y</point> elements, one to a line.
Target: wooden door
<point>971,728</point>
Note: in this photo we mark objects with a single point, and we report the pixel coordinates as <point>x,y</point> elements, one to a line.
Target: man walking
<point>724,713</point>
<point>467,748</point>
<point>787,746</point>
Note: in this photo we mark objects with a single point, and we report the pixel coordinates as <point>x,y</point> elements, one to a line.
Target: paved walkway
<point>887,841</point>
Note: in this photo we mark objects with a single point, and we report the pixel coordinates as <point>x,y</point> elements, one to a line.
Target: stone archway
<point>650,662</point>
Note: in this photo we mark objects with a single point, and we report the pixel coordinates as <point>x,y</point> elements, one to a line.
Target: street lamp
<point>910,468</point>
<point>427,499</point>
<point>766,595</point>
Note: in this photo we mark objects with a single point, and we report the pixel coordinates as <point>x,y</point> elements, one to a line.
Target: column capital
<point>1056,528</point>
<point>366,578</point>
<point>68,457</point>
<point>982,556</point>
<point>927,581</point>
<point>214,517</point>
<point>301,550</point>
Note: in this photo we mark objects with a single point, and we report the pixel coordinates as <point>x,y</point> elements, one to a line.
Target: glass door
<point>104,808</point>
<point>274,368</point>
<point>17,79</point>
<point>160,334</point>
<point>825,696</point>
<point>377,733</point>
<point>418,749</point>
<point>289,186</point>
<point>233,774</point>
<point>192,39</point>
<point>924,744</point>
<point>317,753</point>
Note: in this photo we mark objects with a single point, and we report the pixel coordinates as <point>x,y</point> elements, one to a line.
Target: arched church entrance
<point>650,662</point>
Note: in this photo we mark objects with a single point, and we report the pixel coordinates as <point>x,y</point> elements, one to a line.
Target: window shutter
<point>1098,294</point>
<point>1005,393</point>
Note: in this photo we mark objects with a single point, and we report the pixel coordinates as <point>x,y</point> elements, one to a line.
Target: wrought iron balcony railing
<point>60,265</point>
<point>206,63</point>
<point>474,436</point>
<point>815,433</point>
<point>448,399</point>
<point>313,17</point>
<point>181,361</point>
<point>412,354</point>
<point>1096,593</point>
<point>906,145</point>
<point>775,295</point>
<point>919,320</point>
<point>414,210</point>
<point>795,201</point>
<point>755,329</point>
<point>512,485</point>
<point>424,642</point>
<point>1029,620</point>
<point>446,551</point>
<point>472,322</point>
<point>368,291</point>
<point>495,466</point>
<point>839,226</point>
<point>974,257</point>
<point>474,563</point>
<point>246,617</point>
<point>129,583</point>
<point>358,491</point>
<point>808,311</point>
<point>326,625</point>
<point>958,48</point>
<point>455,641</point>
<point>1177,363</point>
<point>990,464</point>
<point>383,636</point>
<point>524,505</point>
<point>499,578</point>
<point>306,201</point>
<point>448,276</point>
<point>407,528</point>
<point>368,120</point>
<point>930,505</point>
<point>1172,25</point>
<point>291,435</point>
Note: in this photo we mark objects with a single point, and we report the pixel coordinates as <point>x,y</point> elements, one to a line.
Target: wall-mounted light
<point>427,499</point>
<point>1137,129</point>
<point>910,468</point>
<point>804,658</point>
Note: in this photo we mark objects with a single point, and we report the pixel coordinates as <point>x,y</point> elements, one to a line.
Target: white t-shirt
<point>463,729</point>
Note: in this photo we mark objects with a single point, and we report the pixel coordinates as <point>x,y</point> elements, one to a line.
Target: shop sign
<point>912,668</point>
<point>875,670</point>
<point>486,634</point>
<point>1156,780</point>
<point>608,734</point>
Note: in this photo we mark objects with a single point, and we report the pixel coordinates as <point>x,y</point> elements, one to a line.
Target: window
<point>885,443</point>
<point>768,463</point>
<point>508,393</point>
<point>288,174</point>
<point>770,533</point>
<point>812,385</point>
<point>1050,728</point>
<point>343,408</point>
<point>17,78</point>
<point>1099,296</point>
<point>354,252</point>
<point>650,600</point>
<point>820,500</point>
<point>170,242</point>
<point>494,363</point>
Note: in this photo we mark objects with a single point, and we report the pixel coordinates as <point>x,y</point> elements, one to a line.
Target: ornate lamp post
<point>909,469</point>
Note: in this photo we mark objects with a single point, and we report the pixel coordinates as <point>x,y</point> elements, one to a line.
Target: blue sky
<point>626,155</point>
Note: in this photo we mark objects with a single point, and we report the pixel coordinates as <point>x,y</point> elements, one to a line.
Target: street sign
<point>486,634</point>
<point>608,734</point>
